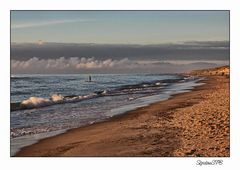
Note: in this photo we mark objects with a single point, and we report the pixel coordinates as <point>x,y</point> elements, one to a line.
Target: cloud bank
<point>71,63</point>
<point>83,65</point>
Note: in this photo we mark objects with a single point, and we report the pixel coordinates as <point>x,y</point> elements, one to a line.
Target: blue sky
<point>119,27</point>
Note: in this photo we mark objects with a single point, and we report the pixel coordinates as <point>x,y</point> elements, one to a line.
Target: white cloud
<point>44,23</point>
<point>91,65</point>
<point>73,63</point>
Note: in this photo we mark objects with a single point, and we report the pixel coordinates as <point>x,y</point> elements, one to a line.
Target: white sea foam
<point>104,92</point>
<point>34,102</point>
<point>57,98</point>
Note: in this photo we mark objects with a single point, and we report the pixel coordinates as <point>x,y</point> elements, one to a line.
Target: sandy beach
<point>189,124</point>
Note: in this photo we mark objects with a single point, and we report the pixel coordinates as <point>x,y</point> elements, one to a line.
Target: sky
<point>140,37</point>
<point>137,27</point>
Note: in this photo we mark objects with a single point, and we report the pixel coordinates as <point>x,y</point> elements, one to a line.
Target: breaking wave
<point>37,102</point>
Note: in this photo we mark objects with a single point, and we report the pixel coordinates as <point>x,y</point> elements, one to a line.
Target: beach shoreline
<point>163,128</point>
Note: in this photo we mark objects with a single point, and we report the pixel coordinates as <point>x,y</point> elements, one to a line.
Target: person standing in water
<point>89,78</point>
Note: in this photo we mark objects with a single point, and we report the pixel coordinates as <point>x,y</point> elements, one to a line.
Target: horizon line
<point>92,43</point>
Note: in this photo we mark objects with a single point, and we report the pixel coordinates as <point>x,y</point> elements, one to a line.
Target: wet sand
<point>195,123</point>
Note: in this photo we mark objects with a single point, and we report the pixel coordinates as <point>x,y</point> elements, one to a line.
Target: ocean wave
<point>34,102</point>
<point>144,88</point>
<point>38,102</point>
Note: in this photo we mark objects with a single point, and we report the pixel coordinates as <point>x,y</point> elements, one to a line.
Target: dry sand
<point>189,124</point>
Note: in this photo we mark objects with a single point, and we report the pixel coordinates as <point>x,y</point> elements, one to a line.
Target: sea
<point>47,105</point>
